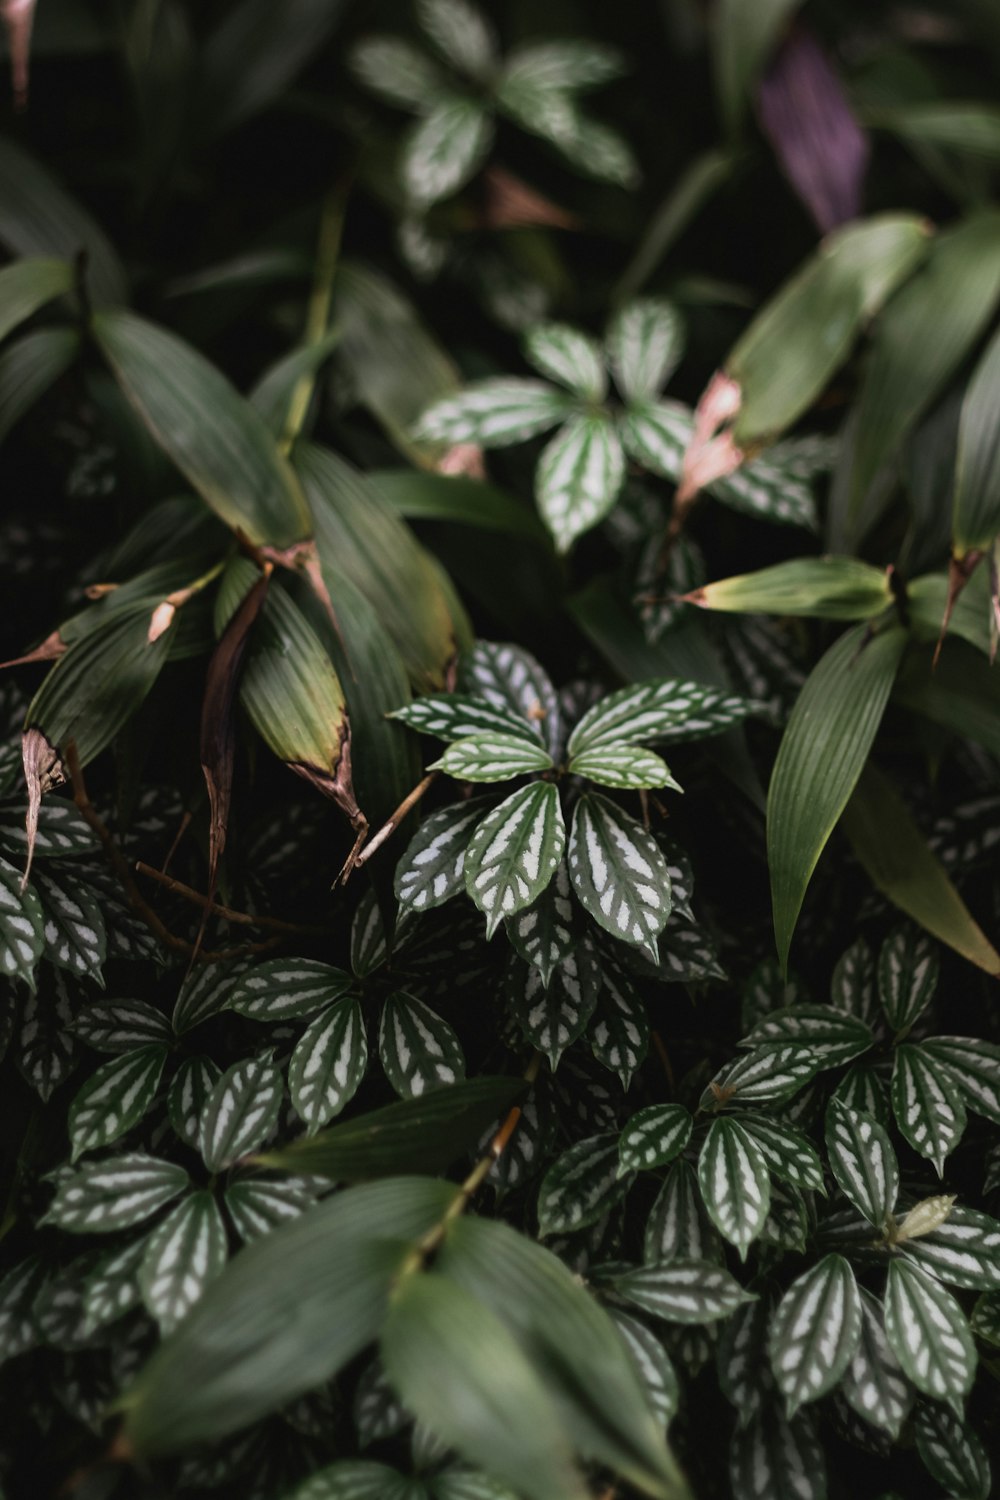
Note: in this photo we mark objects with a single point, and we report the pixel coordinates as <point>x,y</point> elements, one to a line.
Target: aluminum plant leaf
<point>863,1161</point>
<point>419,1051</point>
<point>662,710</point>
<point>445,148</point>
<point>62,832</point>
<point>963,1249</point>
<point>510,677</point>
<point>114,1193</point>
<point>822,754</point>
<point>115,1097</point>
<point>581,1185</point>
<point>575,63</point>
<point>432,868</point>
<point>929,1335</point>
<point>619,1036</point>
<point>112,1288</point>
<point>568,357</point>
<point>655,434</point>
<point>744,1374</point>
<point>627,767</point>
<point>27,285</point>
<point>542,933</point>
<point>952,1452</point>
<point>873,1383</point>
<point>907,977</point>
<point>974,1067</point>
<point>766,1074</point>
<point>682,1291</point>
<point>927,1104</point>
<point>826,588</point>
<point>975,513</point>
<point>18,1290</point>
<point>832,1037</point>
<point>184,1253</point>
<point>852,984</point>
<point>553,1016</point>
<point>358,1479</point>
<point>398,72</point>
<point>815,1331</point>
<point>285,988</point>
<point>496,413</point>
<point>74,931</point>
<point>492,757</point>
<point>240,1112</point>
<point>514,852</point>
<point>653,1137</point>
<point>618,872</point>
<point>459,716</point>
<point>257,1205</point>
<point>121,1025</point>
<point>788,1153</point>
<point>231,459</point>
<point>579,477</point>
<point>645,341</point>
<point>329,1063</point>
<point>204,993</point>
<point>189,1092</point>
<point>734,1182</point>
<point>652,1363</point>
<point>22,926</point>
<point>778,1458</point>
<point>678,1227</point>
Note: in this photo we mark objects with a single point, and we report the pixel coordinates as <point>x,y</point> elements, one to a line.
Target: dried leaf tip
<point>711,453</point>
<point>18,18</point>
<point>960,570</point>
<point>43,770</point>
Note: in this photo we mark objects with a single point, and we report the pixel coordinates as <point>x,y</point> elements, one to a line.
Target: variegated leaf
<point>579,477</point>
<point>256,1206</point>
<point>815,1331</point>
<point>863,1161</point>
<point>984,1322</point>
<point>862,1088</point>
<point>184,1253</point>
<point>662,709</point>
<point>394,70</point>
<point>457,716</point>
<point>652,1362</point>
<point>927,1104</point>
<point>777,1458</point>
<point>21,926</point>
<point>432,868</point>
<point>188,1094</point>
<point>962,1249</point>
<point>62,831</point>
<point>765,1075</point>
<point>514,852</point>
<point>285,988</point>
<point>112,1287</point>
<point>688,954</point>
<point>619,1036</point>
<point>369,949</point>
<point>570,63</point>
<point>682,1291</point>
<point>974,1069</point>
<point>18,1290</point>
<point>594,148</point>
<point>788,1153</point>
<point>240,1112</point>
<point>510,677</point>
<point>952,1453</point>
<point>115,1097</point>
<point>929,1334</point>
<point>73,925</point>
<point>102,1197</point>
<point>653,1137</point>
<point>645,342</point>
<point>495,413</point>
<point>581,1185</point>
<point>852,987</point>
<point>678,1227</point>
<point>445,148</point>
<point>553,1017</point>
<point>120,1025</point>
<point>873,1383</point>
<point>204,993</point>
<point>656,435</point>
<point>741,1359</point>
<point>769,489</point>
<point>59,1306</point>
<point>358,1479</point>
<point>542,933</point>
<point>568,357</point>
<point>461,34</point>
<point>734,1183</point>
<point>492,757</point>
<point>329,1063</point>
<point>907,976</point>
<point>831,1036</point>
<point>619,873</point>
<point>47,1051</point>
<point>789,1222</point>
<point>625,766</point>
<point>419,1051</point>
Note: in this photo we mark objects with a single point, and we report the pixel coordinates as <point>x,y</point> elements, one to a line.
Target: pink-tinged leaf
<point>43,770</point>
<point>18,18</point>
<point>819,144</point>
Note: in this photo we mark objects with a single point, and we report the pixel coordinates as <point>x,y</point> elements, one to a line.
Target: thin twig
<point>397,817</point>
<point>241,918</point>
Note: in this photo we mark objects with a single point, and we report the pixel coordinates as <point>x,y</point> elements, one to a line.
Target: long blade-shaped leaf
<point>27,285</point>
<point>829,588</point>
<point>976,500</point>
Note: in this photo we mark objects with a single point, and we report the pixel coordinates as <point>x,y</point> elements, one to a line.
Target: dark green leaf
<point>329,1063</point>
<point>815,1331</point>
<point>929,1335</point>
<point>240,1112</point>
<point>184,1253</point>
<point>419,1051</point>
<point>284,989</point>
<point>115,1097</point>
<point>734,1183</point>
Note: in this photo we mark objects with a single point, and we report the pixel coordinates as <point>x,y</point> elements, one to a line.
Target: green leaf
<point>121,1025</point>
<point>568,357</point>
<point>827,588</point>
<point>189,1092</point>
<point>624,766</point>
<point>985,1319</point>
<point>74,931</point>
<point>495,413</point>
<point>654,1136</point>
<point>115,1097</point>
<point>461,34</point>
<point>256,1206</point>
<point>542,933</point>
<point>815,1332</point>
<point>413,1135</point>
<point>240,1112</point>
<point>828,1034</point>
<point>734,1183</point>
<point>619,1037</point>
<point>952,1453</point>
<point>432,868</point>
<point>618,872</point>
<point>743,1372</point>
<point>460,716</point>
<point>114,1193</point>
<point>581,1185</point>
<point>459,1369</point>
<point>682,1291</point>
<point>457,498</point>
<point>929,1334</point>
<point>664,710</point>
<point>329,1063</point>
<point>443,151</point>
<point>788,1153</point>
<point>777,1458</point>
<point>863,1161</point>
<point>656,434</point>
<point>22,926</point>
<point>974,1068</point>
<point>357,1479</point>
<point>652,1363</point>
<point>231,459</point>
<point>112,1288</point>
<point>765,1075</point>
<point>396,71</point>
<point>62,831</point>
<point>895,855</point>
<point>27,285</point>
<point>777,485</point>
<point>852,984</point>
<point>907,977</point>
<point>743,36</point>
<point>645,341</point>
<point>574,63</point>
<point>184,1253</point>
<point>963,1250</point>
<point>492,757</point>
<point>419,1051</point>
<point>678,1227</point>
<point>975,515</point>
<point>18,1290</point>
<point>204,993</point>
<point>553,1016</point>
<point>579,477</point>
<point>927,1105</point>
<point>285,988</point>
<point>822,754</point>
<point>285,1315</point>
<point>514,852</point>
<point>873,1383</point>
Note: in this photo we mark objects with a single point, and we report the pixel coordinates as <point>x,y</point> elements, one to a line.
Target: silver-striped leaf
<point>873,1384</point>
<point>115,1097</point>
<point>688,954</point>
<point>457,716</point>
<point>120,1025</point>
<point>552,1017</point>
<point>789,1219</point>
<point>328,1064</point>
<point>495,413</point>
<point>766,1075</point>
<point>369,949</point>
<point>734,1182</point>
<point>963,1250</point>
<point>952,1453</point>
<point>985,1319</point>
<point>47,1052</point>
<point>73,925</point>
<point>204,993</point>
<point>21,926</point>
<point>619,1035</point>
<point>102,1197</point>
<point>927,1105</point>
<point>285,988</point>
<point>569,357</point>
<point>663,709</point>
<point>395,70</point>
<point>777,1458</point>
<point>626,766</point>
<point>862,1089</point>
<point>579,477</point>
<point>907,976</point>
<point>863,1161</point>
<point>652,1363</point>
<point>445,148</point>
<point>432,868</point>
<point>682,1291</point>
<point>929,1334</point>
<point>645,341</point>
<point>852,985</point>
<point>514,852</point>
<point>462,35</point>
<point>744,1374</point>
<point>831,1037</point>
<point>357,1479</point>
<point>241,1111</point>
<point>678,1227</point>
<point>974,1067</point>
<point>788,1153</point>
<point>656,435</point>
<point>188,1094</point>
<point>581,1185</point>
<point>62,831</point>
<point>542,933</point>
<point>18,1290</point>
<point>492,757</point>
<point>619,873</point>
<point>419,1051</point>
<point>510,677</point>
<point>653,1137</point>
<point>815,1331</point>
<point>257,1205</point>
<point>183,1254</point>
<point>112,1287</point>
<point>769,489</point>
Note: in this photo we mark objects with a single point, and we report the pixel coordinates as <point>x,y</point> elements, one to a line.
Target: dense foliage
<point>565,437</point>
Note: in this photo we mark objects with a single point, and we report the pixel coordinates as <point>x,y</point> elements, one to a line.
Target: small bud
<point>161,621</point>
<point>924,1217</point>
